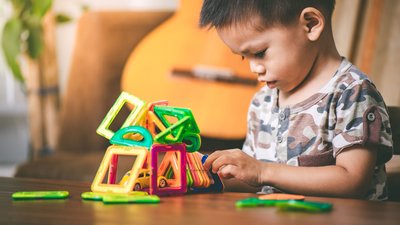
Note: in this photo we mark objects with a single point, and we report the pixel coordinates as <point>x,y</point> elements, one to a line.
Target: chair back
<point>394,115</point>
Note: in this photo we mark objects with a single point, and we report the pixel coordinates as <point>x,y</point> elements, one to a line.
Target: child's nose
<point>257,68</point>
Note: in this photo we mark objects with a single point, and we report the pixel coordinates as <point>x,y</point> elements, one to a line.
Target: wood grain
<point>192,209</point>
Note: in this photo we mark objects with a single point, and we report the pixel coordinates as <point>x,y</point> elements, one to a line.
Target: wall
<point>386,62</point>
<point>344,25</point>
<point>368,32</point>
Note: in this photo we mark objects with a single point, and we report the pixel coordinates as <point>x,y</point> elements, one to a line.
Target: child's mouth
<point>271,84</point>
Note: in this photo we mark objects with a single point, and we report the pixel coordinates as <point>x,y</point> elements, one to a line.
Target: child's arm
<point>350,176</point>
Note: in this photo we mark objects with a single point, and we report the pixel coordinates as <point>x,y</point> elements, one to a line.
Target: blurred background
<point>14,128</point>
<point>86,47</point>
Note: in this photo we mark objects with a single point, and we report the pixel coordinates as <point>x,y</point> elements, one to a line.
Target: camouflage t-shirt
<point>347,111</point>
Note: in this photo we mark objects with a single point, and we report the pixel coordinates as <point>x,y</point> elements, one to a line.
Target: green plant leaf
<point>62,18</point>
<point>40,7</point>
<point>11,45</point>
<point>19,5</point>
<point>35,42</point>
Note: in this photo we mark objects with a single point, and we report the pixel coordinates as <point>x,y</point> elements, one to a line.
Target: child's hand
<point>235,163</point>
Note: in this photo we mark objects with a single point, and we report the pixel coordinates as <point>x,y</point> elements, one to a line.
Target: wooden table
<point>204,209</point>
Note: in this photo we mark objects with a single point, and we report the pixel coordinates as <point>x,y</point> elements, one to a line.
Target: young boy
<point>318,126</point>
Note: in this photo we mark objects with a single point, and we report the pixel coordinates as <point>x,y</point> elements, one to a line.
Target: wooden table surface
<point>204,209</point>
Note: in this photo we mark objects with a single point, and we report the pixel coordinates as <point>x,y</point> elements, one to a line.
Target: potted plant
<point>28,37</point>
<point>23,32</point>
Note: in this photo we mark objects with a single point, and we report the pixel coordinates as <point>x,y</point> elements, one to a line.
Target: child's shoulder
<point>349,76</point>
<point>351,83</point>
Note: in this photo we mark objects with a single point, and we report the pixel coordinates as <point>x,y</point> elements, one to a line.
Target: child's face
<point>282,57</point>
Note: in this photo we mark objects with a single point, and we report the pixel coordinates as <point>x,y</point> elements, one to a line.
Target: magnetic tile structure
<point>163,140</point>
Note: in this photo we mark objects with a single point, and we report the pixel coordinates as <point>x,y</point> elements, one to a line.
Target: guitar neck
<point>213,75</point>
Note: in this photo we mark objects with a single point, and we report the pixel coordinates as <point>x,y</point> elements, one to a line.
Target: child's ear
<point>313,22</point>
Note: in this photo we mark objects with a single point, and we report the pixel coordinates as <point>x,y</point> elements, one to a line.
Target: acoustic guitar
<point>192,68</point>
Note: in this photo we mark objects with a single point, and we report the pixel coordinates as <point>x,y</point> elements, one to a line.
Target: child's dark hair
<point>221,13</point>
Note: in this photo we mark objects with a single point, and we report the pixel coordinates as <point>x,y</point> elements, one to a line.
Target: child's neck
<point>325,66</point>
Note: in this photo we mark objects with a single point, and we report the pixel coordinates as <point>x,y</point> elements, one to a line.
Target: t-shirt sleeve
<point>362,118</point>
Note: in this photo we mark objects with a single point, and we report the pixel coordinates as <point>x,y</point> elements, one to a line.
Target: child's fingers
<point>211,158</point>
<point>223,160</point>
<point>228,171</point>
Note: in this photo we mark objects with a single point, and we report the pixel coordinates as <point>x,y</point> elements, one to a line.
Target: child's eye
<point>260,54</point>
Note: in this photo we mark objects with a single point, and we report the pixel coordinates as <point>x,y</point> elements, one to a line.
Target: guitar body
<point>220,108</point>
